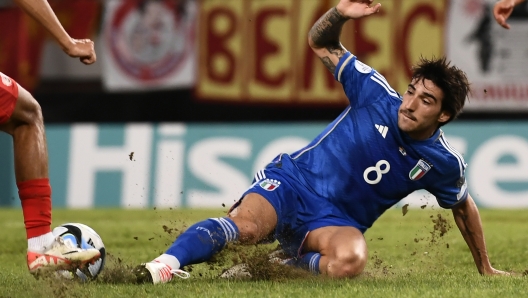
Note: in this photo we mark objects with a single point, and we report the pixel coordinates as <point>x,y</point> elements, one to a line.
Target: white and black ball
<point>83,237</point>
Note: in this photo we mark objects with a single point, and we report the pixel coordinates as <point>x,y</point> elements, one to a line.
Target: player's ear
<point>444,117</point>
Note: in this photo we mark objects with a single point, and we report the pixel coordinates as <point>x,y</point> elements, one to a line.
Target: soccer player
<point>21,117</point>
<point>503,9</point>
<point>318,201</point>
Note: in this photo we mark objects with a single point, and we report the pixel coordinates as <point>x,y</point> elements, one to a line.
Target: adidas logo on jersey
<point>382,130</point>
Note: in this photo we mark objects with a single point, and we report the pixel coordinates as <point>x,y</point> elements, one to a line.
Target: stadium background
<point>204,93</point>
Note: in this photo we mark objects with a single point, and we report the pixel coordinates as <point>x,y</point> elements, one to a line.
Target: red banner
<point>80,18</point>
<point>22,38</point>
<point>257,51</point>
<point>21,42</point>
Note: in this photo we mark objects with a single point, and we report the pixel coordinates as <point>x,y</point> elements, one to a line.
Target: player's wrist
<point>339,12</point>
<point>68,45</point>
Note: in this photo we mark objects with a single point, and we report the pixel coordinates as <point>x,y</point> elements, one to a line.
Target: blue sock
<point>309,261</point>
<point>202,240</point>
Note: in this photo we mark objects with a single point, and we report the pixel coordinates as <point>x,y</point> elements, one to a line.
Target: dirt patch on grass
<point>52,286</point>
<point>116,271</point>
<point>257,259</point>
<point>379,267</point>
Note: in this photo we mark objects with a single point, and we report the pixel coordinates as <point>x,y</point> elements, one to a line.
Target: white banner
<point>149,44</point>
<point>495,59</point>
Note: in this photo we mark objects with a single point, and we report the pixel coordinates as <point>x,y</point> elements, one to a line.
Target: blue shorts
<point>299,210</point>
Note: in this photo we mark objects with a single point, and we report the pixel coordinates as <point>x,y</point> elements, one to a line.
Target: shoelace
<point>180,273</point>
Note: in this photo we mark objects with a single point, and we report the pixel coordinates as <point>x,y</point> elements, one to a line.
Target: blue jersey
<point>363,164</point>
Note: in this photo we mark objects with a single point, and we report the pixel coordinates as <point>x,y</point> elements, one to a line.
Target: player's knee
<point>29,112</point>
<point>248,231</point>
<point>347,263</point>
<point>35,112</point>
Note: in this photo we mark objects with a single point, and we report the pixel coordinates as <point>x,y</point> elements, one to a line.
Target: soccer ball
<point>83,237</point>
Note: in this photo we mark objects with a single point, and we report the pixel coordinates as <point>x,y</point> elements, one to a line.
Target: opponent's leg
<point>248,223</point>
<point>26,126</point>
<point>342,251</point>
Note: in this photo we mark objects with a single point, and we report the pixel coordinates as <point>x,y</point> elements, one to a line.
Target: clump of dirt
<point>261,268</point>
<point>440,228</point>
<point>116,272</point>
<point>405,209</point>
<point>377,261</point>
<point>169,230</point>
<point>257,259</point>
<point>378,266</point>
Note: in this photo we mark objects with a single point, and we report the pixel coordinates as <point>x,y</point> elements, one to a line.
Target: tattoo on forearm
<point>329,64</point>
<point>325,34</point>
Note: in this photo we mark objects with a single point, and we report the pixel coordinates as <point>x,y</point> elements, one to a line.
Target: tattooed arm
<point>468,221</point>
<point>323,38</point>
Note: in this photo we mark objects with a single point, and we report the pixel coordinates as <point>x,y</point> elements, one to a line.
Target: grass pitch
<point>421,254</point>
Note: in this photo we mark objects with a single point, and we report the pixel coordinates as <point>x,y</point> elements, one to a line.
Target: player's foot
<point>156,272</point>
<point>279,257</point>
<point>241,271</point>
<point>61,256</point>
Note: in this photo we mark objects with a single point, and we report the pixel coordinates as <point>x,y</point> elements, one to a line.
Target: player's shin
<point>35,196</point>
<point>200,242</point>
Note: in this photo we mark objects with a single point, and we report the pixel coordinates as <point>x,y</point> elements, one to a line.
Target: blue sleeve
<point>362,84</point>
<point>453,190</point>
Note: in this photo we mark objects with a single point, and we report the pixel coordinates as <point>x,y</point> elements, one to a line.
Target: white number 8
<point>378,170</point>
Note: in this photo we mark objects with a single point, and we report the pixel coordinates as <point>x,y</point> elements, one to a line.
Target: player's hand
<point>82,49</point>
<point>502,11</point>
<point>355,9</point>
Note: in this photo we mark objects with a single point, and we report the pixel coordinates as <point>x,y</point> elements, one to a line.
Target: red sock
<point>35,196</point>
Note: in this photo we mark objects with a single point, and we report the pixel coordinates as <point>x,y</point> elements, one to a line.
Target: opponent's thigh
<point>343,250</point>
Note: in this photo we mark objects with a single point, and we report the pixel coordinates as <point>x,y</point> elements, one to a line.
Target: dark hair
<point>449,78</point>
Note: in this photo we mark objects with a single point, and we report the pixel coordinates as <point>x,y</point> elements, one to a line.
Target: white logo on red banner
<point>6,80</point>
<point>149,44</point>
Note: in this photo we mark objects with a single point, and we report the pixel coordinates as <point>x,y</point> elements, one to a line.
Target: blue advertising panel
<point>141,165</point>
